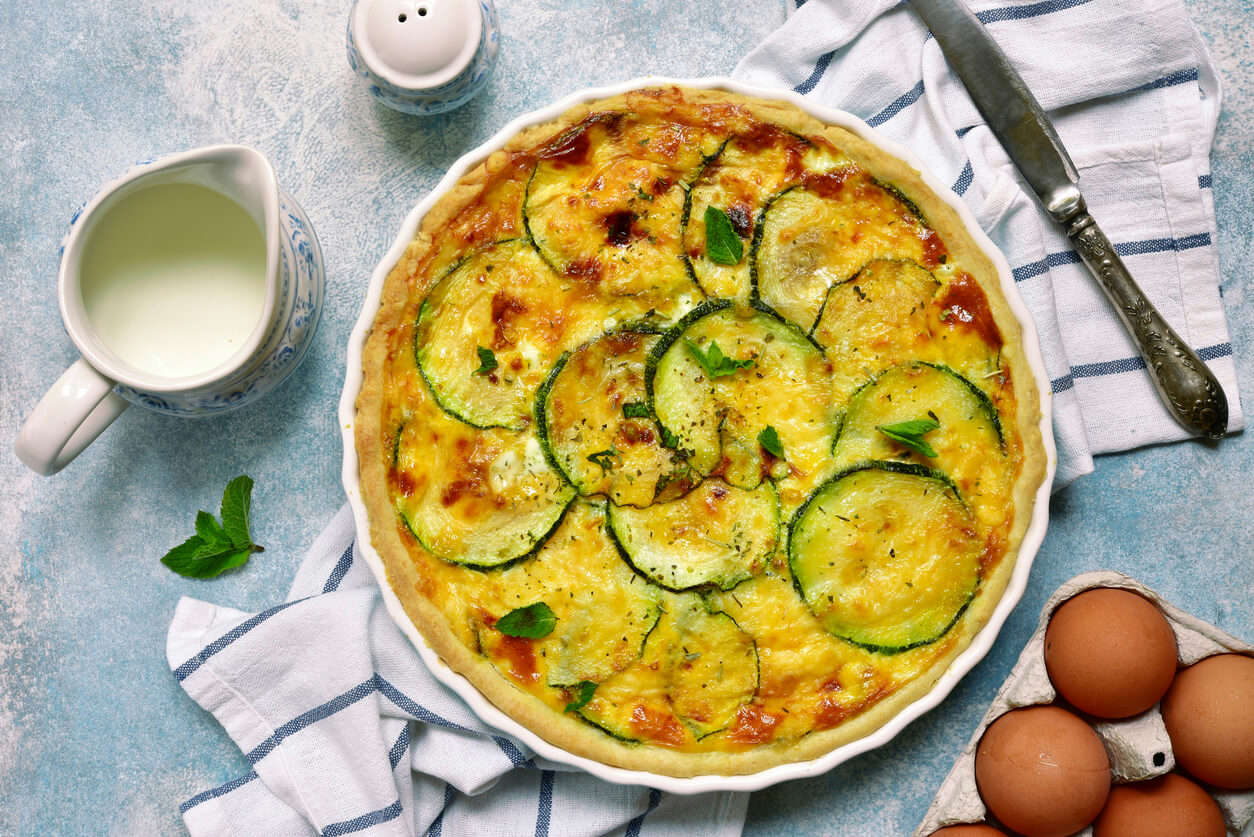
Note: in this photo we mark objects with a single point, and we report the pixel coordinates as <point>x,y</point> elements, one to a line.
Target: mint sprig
<point>218,547</point>
<point>532,622</point>
<point>635,409</point>
<point>605,459</point>
<point>714,362</point>
<point>722,245</point>
<point>768,438</point>
<point>586,689</point>
<point>487,361</point>
<point>910,434</point>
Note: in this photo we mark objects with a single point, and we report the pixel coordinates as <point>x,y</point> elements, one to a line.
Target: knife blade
<point>1186,386</point>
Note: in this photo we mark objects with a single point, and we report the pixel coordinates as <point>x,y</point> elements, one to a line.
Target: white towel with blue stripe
<point>1135,98</point>
<point>348,733</point>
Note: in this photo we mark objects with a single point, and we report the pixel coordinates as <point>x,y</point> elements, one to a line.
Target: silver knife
<point>1188,389</point>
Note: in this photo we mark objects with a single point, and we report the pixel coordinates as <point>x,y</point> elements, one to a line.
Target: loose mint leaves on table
<point>218,547</point>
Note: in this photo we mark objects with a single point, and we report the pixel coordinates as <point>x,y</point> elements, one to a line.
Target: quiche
<point>697,434</point>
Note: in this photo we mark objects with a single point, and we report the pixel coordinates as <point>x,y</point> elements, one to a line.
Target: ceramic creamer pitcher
<point>191,285</point>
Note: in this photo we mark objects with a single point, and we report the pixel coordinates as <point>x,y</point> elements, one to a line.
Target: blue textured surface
<point>95,735</point>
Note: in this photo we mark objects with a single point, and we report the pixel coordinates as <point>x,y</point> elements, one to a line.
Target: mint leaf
<point>910,434</point>
<point>635,409</point>
<point>713,361</point>
<point>217,546</point>
<point>605,459</point>
<point>533,621</point>
<point>195,559</point>
<point>586,689</point>
<point>722,245</point>
<point>769,440</point>
<point>236,503</point>
<point>211,532</point>
<point>487,361</point>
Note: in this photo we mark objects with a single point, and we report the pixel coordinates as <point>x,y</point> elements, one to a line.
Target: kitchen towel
<point>1135,98</point>
<point>347,732</point>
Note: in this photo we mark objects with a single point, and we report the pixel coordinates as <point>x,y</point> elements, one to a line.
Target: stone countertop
<point>95,735</point>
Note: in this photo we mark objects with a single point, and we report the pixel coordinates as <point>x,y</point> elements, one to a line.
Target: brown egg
<point>1110,653</point>
<point>1209,713</point>
<point>1042,771</point>
<point>978,830</point>
<point>1169,806</point>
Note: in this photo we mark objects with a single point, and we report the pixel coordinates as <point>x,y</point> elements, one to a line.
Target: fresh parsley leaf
<point>635,409</point>
<point>605,459</point>
<point>722,244</point>
<point>769,440</point>
<point>586,689</point>
<point>713,361</point>
<point>533,621</point>
<point>910,434</point>
<point>487,361</point>
<point>218,547</point>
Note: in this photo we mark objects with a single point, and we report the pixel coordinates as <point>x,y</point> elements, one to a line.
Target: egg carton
<point>1139,747</point>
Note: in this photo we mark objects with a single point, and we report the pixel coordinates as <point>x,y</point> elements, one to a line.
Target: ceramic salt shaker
<point>423,56</point>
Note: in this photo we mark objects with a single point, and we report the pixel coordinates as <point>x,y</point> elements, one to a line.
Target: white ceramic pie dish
<point>492,716</point>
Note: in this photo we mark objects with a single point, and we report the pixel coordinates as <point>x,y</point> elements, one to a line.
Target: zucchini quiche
<point>696,433</point>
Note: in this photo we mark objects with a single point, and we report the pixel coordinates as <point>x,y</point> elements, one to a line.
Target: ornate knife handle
<point>1189,390</point>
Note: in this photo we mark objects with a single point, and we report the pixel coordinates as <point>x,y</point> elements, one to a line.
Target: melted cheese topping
<point>601,226</point>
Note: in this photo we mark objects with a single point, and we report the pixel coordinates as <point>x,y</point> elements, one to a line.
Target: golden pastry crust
<point>843,691</point>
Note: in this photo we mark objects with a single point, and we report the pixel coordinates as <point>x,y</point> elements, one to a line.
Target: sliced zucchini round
<point>886,555</point>
<point>737,181</point>
<point>969,432</point>
<point>724,375</point>
<point>604,210</point>
<point>876,319</point>
<point>819,233</point>
<point>592,418</point>
<point>486,337</point>
<point>698,669</point>
<point>716,534</point>
<point>481,498</point>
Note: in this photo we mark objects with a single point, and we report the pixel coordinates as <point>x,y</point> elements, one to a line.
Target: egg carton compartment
<point>1138,747</point>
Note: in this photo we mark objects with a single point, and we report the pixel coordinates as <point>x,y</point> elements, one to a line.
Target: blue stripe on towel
<point>544,811</point>
<point>1031,10</point>
<point>897,105</point>
<point>1126,364</point>
<point>411,706</point>
<point>341,570</point>
<point>1170,80</point>
<point>963,183</point>
<point>220,790</point>
<point>511,752</point>
<point>987,16</point>
<point>326,710</point>
<point>185,670</point>
<point>819,68</point>
<point>363,822</point>
<point>437,825</point>
<point>633,827</point>
<point>399,748</point>
<point>1124,248</point>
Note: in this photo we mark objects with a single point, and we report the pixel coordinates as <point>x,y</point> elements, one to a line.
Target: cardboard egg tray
<point>1138,747</point>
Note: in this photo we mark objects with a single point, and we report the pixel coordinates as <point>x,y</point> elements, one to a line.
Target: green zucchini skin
<point>890,467</point>
<point>715,428</point>
<point>618,530</point>
<point>542,420</point>
<point>986,406</point>
<point>531,552</point>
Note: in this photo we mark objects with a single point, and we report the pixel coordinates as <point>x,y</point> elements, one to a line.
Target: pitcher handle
<point>80,405</point>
